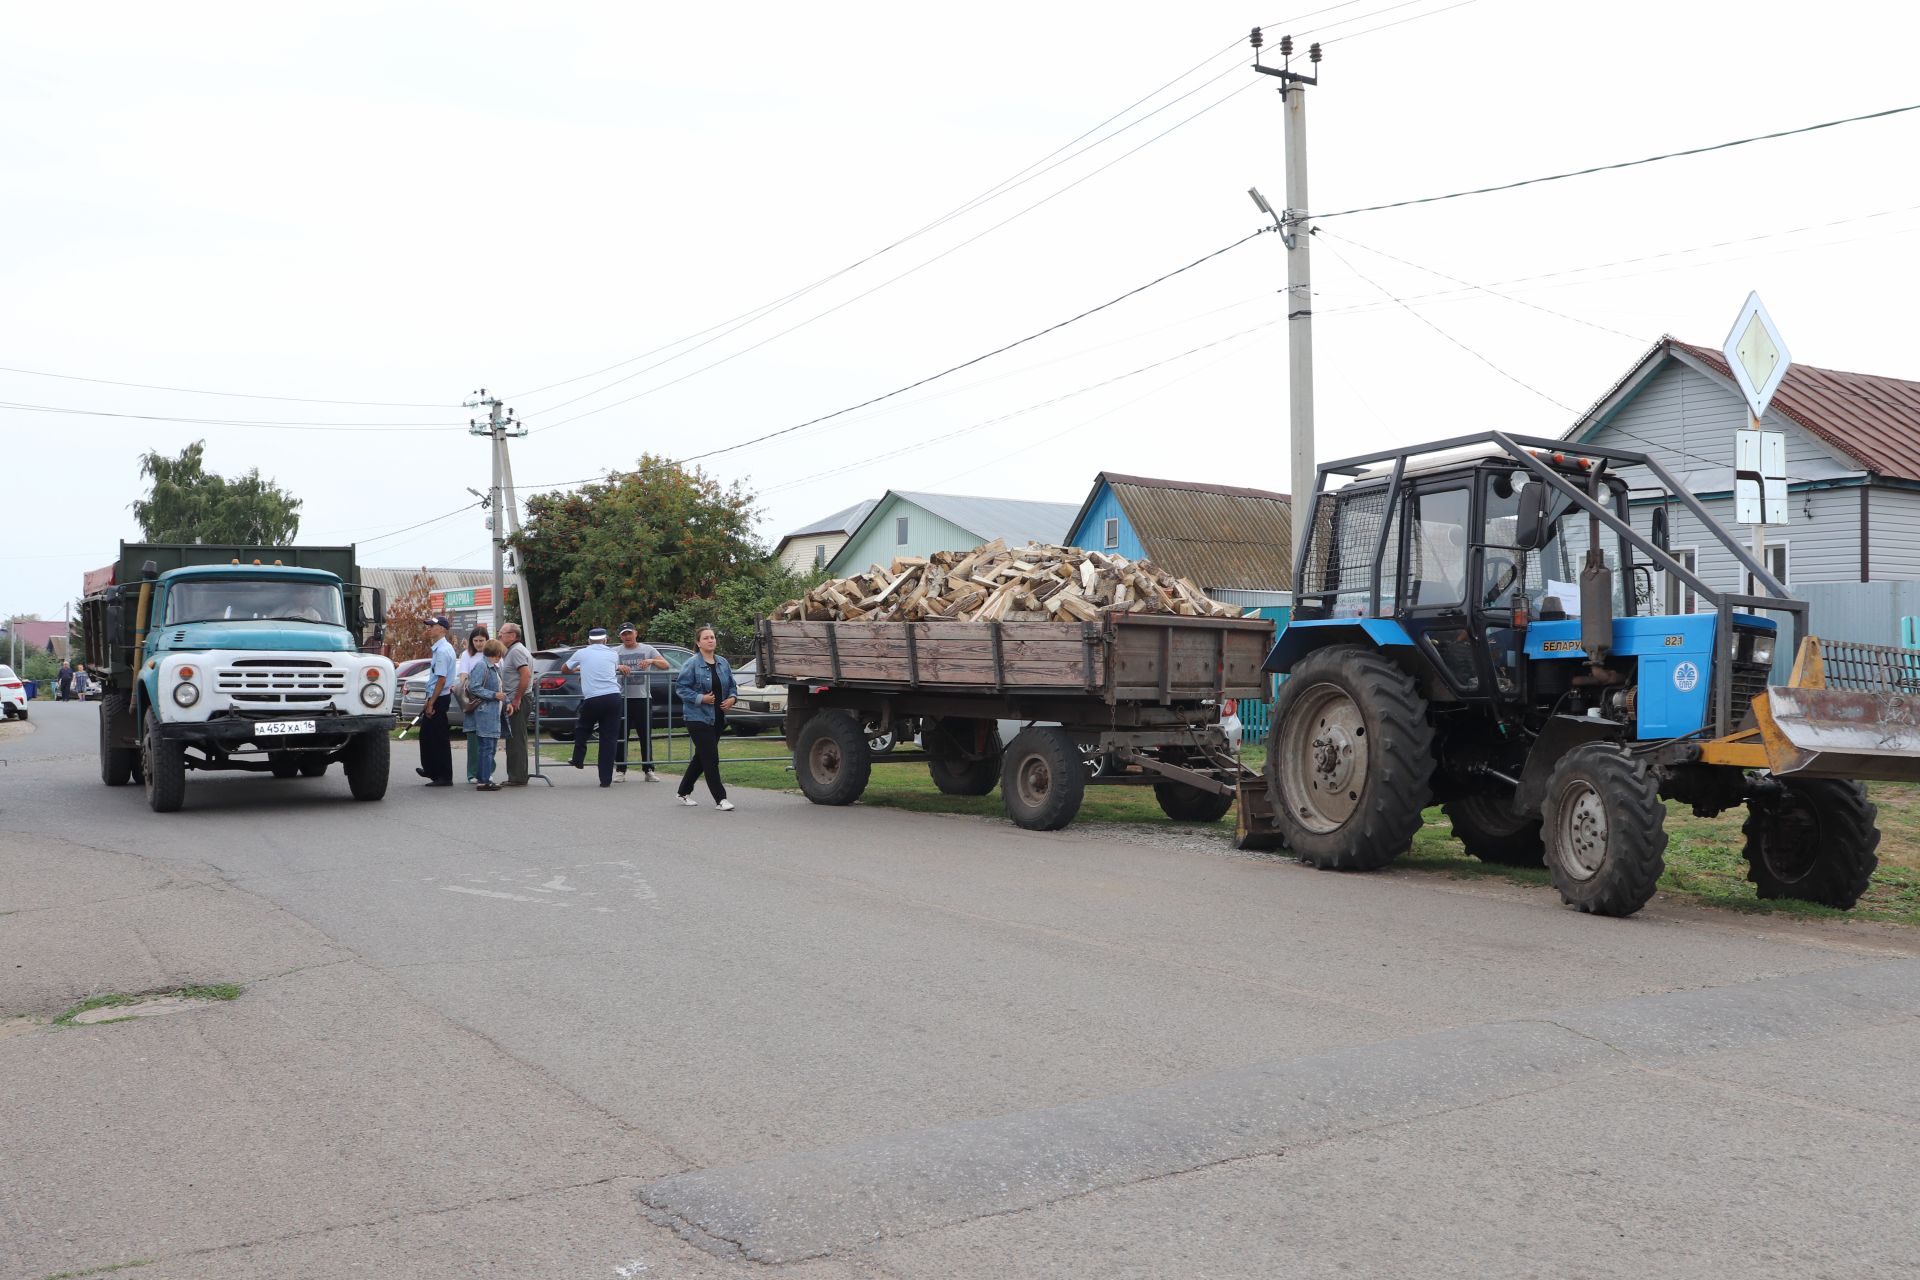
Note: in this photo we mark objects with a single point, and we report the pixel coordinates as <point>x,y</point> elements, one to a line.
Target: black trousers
<point>598,715</point>
<point>639,721</point>
<point>706,760</point>
<point>436,741</point>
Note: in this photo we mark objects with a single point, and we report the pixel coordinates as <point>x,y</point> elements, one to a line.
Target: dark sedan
<point>559,691</point>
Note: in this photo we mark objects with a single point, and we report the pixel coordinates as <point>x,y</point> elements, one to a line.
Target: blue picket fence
<point>1257,717</point>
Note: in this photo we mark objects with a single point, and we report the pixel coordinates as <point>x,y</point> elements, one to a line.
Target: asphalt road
<point>585,1032</point>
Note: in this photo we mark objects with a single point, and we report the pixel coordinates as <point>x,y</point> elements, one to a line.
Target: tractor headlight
<point>373,695</point>
<point>1762,650</point>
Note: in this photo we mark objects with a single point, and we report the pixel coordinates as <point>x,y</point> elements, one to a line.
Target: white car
<point>13,694</point>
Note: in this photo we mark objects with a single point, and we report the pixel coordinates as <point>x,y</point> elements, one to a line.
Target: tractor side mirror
<point>1530,524</point>
<point>1643,583</point>
<point>1659,535</point>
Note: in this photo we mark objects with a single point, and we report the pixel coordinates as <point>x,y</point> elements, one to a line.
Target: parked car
<point>559,691</point>
<point>87,687</point>
<point>412,666</point>
<point>761,707</point>
<point>13,694</point>
<point>413,700</point>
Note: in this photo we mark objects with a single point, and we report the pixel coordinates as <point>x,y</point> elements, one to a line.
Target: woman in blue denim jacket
<point>706,690</point>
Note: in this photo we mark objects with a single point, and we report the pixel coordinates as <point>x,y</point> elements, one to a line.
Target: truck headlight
<point>372,695</point>
<point>1762,650</point>
<point>186,692</point>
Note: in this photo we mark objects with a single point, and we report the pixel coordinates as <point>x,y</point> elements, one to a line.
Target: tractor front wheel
<point>1812,839</point>
<point>1605,830</point>
<point>1488,828</point>
<point>1350,760</point>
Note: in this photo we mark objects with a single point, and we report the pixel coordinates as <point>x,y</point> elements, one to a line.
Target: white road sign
<point>1760,477</point>
<point>1757,354</point>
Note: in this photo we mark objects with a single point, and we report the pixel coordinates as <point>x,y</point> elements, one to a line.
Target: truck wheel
<point>1350,760</point>
<point>283,764</point>
<point>163,766</point>
<point>312,765</point>
<point>1042,779</point>
<point>955,776</point>
<point>1184,802</point>
<point>832,761</point>
<point>1813,840</point>
<point>1605,830</point>
<point>367,762</point>
<point>1491,831</point>
<point>117,764</point>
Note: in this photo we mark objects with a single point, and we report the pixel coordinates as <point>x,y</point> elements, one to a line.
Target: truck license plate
<point>274,728</point>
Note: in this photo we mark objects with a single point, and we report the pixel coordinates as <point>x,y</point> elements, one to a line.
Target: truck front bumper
<point>231,733</point>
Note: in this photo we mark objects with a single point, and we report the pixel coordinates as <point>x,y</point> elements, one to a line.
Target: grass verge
<point>212,991</point>
<point>100,1271</point>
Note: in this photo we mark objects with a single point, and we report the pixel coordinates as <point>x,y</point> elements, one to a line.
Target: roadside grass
<point>214,991</point>
<point>100,1271</point>
<point>1704,865</point>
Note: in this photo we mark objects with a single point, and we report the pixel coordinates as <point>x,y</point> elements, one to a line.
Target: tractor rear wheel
<point>1811,839</point>
<point>1605,830</point>
<point>1488,828</point>
<point>1350,760</point>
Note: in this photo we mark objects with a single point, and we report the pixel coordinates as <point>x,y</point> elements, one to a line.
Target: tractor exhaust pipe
<point>1596,589</point>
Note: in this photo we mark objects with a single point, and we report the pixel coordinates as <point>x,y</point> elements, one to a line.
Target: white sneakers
<point>689,801</point>
<point>725,806</point>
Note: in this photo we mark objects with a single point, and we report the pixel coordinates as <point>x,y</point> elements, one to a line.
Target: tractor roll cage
<point>1521,448</point>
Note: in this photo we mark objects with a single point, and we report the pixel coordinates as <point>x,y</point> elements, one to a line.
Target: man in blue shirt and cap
<point>436,735</point>
<point>600,673</point>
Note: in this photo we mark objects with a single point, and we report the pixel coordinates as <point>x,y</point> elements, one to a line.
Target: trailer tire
<point>951,772</point>
<point>1043,779</point>
<point>1605,830</point>
<point>118,765</point>
<point>1347,720</point>
<point>1184,802</point>
<point>1488,828</point>
<point>367,761</point>
<point>1813,840</point>
<point>163,768</point>
<point>283,764</point>
<point>831,759</point>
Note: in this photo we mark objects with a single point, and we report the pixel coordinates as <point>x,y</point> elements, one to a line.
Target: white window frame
<point>1776,553</point>
<point>900,536</point>
<point>1689,598</point>
<point>1111,533</point>
<point>819,555</point>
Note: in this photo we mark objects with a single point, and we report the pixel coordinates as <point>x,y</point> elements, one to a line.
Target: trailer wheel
<point>954,775</point>
<point>163,767</point>
<point>1812,839</point>
<point>832,760</point>
<point>1043,779</point>
<point>1184,802</point>
<point>367,762</point>
<point>117,764</point>
<point>1489,829</point>
<point>284,764</point>
<point>313,765</point>
<point>1350,760</point>
<point>1605,830</point>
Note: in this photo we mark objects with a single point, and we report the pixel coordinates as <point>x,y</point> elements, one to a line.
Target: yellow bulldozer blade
<point>1851,711</point>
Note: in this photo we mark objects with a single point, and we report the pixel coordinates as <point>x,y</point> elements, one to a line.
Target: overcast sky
<point>404,202</point>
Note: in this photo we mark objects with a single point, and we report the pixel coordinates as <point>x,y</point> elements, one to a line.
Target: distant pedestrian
<point>79,682</point>
<point>638,662</point>
<point>516,674</point>
<point>599,702</point>
<point>483,722</point>
<point>707,692</point>
<point>436,737</point>
<point>66,682</point>
<point>470,662</point>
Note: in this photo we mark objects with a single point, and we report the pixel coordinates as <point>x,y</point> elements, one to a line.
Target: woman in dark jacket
<point>706,690</point>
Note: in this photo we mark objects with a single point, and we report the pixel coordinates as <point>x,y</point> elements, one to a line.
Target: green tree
<point>733,610</point>
<point>631,545</point>
<point>187,503</point>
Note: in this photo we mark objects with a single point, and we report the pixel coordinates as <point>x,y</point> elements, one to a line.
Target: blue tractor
<point>1479,624</point>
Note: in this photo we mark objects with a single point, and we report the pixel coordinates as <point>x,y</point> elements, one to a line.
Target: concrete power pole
<point>512,510</point>
<point>499,426</point>
<point>1297,236</point>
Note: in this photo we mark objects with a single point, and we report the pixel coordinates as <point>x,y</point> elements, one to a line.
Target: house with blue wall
<point>1233,543</point>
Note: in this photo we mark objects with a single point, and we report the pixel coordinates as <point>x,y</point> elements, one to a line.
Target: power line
<point>274,425</point>
<point>394,533</point>
<point>1414,17</point>
<point>235,395</point>
<point>1623,164</point>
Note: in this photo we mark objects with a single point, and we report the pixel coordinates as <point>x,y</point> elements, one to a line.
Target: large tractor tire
<point>367,762</point>
<point>1813,840</point>
<point>1349,760</point>
<point>831,759</point>
<point>117,764</point>
<point>1488,828</point>
<point>954,775</point>
<point>1605,827</point>
<point>163,769</point>
<point>1043,779</point>
<point>1184,802</point>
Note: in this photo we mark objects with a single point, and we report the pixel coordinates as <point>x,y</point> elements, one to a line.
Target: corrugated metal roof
<point>845,521</point>
<point>396,581</point>
<point>1014,519</point>
<point>1212,535</point>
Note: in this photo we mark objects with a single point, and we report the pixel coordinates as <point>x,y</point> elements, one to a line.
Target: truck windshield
<point>253,601</point>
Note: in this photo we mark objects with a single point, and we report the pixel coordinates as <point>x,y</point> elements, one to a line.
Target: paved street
<point>587,1033</point>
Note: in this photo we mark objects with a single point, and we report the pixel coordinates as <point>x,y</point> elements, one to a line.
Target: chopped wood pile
<point>1034,583</point>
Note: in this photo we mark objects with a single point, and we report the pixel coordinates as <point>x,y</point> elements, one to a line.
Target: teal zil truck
<point>245,658</point>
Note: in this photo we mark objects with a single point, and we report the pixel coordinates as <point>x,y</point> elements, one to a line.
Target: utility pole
<point>499,426</point>
<point>1297,236</point>
<point>519,578</point>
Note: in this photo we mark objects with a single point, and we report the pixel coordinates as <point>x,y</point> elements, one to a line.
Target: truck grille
<point>1749,681</point>
<point>281,682</point>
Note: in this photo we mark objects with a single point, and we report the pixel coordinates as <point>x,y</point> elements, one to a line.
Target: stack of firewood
<point>1034,583</point>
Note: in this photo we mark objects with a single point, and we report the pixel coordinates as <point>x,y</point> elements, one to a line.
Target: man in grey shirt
<point>516,677</point>
<point>638,662</point>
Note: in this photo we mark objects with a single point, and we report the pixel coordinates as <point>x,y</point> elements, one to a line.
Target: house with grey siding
<point>919,524</point>
<point>1853,464</point>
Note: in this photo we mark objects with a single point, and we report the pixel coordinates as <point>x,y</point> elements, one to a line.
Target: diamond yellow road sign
<point>1757,355</point>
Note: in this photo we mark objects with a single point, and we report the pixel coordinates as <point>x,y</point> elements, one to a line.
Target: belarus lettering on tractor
<point>1475,625</point>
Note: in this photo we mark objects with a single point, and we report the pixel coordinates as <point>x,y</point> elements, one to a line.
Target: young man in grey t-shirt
<point>638,661</point>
